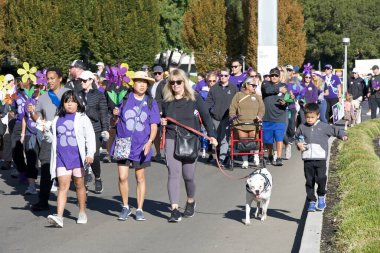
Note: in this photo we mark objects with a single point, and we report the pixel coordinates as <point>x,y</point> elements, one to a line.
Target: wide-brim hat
<point>144,76</point>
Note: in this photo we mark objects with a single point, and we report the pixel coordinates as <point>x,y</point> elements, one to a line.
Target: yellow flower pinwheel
<point>27,72</point>
<point>129,74</point>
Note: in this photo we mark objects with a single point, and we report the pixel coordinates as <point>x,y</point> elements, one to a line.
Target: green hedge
<point>358,211</point>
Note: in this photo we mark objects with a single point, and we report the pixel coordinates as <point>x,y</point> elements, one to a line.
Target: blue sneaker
<point>140,215</point>
<point>311,207</point>
<point>125,212</point>
<point>321,203</point>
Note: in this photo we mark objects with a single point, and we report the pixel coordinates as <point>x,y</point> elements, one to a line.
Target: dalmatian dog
<point>259,188</point>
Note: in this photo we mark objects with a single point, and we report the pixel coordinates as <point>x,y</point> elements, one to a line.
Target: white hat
<point>289,67</point>
<point>355,70</point>
<point>9,77</point>
<point>87,75</point>
<point>144,76</point>
<point>100,64</point>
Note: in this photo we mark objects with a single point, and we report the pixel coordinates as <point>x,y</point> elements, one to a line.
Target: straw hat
<point>144,76</point>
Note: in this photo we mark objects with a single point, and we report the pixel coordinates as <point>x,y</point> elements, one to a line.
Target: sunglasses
<point>273,76</point>
<point>307,77</point>
<point>83,81</point>
<point>253,84</point>
<point>212,81</point>
<point>235,66</point>
<point>224,75</point>
<point>178,82</point>
<point>157,73</point>
<point>253,76</point>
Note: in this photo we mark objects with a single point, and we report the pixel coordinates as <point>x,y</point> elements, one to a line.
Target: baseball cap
<point>100,64</point>
<point>9,77</point>
<point>375,67</point>
<point>85,75</point>
<point>289,67</point>
<point>355,70</point>
<point>144,67</point>
<point>328,66</point>
<point>158,69</point>
<point>274,71</point>
<point>77,64</point>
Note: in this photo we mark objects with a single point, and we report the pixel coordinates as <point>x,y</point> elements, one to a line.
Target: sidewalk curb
<point>311,237</point>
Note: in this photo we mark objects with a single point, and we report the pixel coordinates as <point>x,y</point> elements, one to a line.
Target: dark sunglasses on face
<point>212,81</point>
<point>178,82</point>
<point>224,75</point>
<point>307,77</point>
<point>273,76</point>
<point>253,76</point>
<point>157,73</point>
<point>253,84</point>
<point>235,66</point>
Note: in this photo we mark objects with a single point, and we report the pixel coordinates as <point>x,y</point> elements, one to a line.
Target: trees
<point>204,33</point>
<point>291,37</point>
<point>327,22</point>
<point>235,29</point>
<point>250,30</point>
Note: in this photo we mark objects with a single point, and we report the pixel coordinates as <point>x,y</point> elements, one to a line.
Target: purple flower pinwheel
<point>121,74</point>
<point>41,77</point>
<point>110,75</point>
<point>307,68</point>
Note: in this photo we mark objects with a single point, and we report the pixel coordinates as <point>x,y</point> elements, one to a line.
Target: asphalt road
<point>218,225</point>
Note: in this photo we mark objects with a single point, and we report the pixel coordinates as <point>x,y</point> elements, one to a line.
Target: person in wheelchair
<point>247,107</point>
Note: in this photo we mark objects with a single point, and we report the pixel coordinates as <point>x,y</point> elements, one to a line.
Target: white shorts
<point>76,172</point>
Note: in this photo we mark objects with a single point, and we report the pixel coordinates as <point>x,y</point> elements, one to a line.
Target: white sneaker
<point>288,151</point>
<point>368,113</point>
<point>256,160</point>
<point>377,111</point>
<point>55,220</point>
<point>274,155</point>
<point>245,165</point>
<point>82,218</point>
<point>31,190</point>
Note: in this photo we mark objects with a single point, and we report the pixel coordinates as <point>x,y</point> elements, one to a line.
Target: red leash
<point>203,135</point>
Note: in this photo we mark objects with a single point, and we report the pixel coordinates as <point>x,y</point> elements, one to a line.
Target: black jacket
<point>357,87</point>
<point>96,109</point>
<point>219,99</point>
<point>160,93</point>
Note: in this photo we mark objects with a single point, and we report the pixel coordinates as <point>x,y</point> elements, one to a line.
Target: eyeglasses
<point>273,76</point>
<point>83,81</point>
<point>235,66</point>
<point>157,73</point>
<point>224,75</point>
<point>178,82</point>
<point>308,77</point>
<point>212,81</point>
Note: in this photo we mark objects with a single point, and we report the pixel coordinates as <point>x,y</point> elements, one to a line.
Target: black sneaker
<point>270,160</point>
<point>210,159</point>
<point>38,207</point>
<point>279,162</point>
<point>107,159</point>
<point>98,186</point>
<point>189,210</point>
<point>175,216</point>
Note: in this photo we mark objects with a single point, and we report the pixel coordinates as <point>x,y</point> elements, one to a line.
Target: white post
<point>267,51</point>
<point>346,42</point>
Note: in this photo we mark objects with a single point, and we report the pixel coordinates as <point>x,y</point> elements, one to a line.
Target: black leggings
<point>330,102</point>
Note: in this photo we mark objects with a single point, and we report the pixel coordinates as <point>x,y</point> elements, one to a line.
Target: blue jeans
<point>322,110</point>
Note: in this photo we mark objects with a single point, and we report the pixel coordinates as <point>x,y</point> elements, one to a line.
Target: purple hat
<point>328,66</point>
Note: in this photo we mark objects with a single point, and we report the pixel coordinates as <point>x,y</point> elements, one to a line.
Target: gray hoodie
<point>317,137</point>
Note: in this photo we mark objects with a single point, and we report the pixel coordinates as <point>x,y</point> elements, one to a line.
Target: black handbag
<point>186,145</point>
<point>246,146</point>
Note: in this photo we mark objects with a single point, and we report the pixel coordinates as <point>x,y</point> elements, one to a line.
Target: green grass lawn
<point>358,211</point>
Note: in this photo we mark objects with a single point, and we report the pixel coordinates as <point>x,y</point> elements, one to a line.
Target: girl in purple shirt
<point>137,118</point>
<point>73,148</point>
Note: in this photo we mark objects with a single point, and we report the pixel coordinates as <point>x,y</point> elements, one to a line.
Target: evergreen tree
<point>291,37</point>
<point>2,28</point>
<point>250,30</point>
<point>204,33</point>
<point>235,29</point>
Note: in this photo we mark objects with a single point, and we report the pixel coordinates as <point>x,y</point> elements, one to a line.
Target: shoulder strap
<point>243,98</point>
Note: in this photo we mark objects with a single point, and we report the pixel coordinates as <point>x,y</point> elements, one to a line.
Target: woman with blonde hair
<point>181,104</point>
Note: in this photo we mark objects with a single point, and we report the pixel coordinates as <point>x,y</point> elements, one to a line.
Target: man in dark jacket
<point>374,91</point>
<point>156,91</point>
<point>356,88</point>
<point>96,109</point>
<point>218,103</point>
<point>274,120</point>
<point>76,69</point>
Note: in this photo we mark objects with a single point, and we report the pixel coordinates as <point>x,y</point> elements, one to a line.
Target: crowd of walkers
<point>60,127</point>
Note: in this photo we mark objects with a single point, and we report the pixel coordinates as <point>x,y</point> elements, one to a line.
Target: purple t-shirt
<point>19,104</point>
<point>238,80</point>
<point>30,125</point>
<point>309,93</point>
<point>200,85</point>
<point>332,83</point>
<point>67,146</point>
<point>140,136</point>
